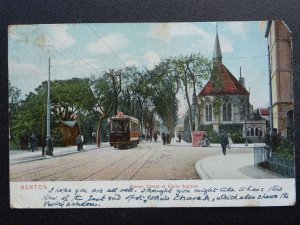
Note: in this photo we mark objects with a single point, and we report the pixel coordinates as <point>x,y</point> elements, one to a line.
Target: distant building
<point>281,73</point>
<point>69,130</point>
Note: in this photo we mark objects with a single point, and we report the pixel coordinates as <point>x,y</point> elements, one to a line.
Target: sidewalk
<point>22,156</point>
<point>231,166</point>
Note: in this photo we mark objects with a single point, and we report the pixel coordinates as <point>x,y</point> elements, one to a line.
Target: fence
<point>274,162</point>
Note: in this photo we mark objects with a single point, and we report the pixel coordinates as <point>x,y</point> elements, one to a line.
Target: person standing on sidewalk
<point>224,142</point>
<point>33,142</point>
<point>164,138</point>
<point>78,142</point>
<point>50,144</point>
<point>155,136</point>
<point>82,140</point>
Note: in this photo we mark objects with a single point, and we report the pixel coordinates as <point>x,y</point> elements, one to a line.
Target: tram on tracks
<point>124,131</point>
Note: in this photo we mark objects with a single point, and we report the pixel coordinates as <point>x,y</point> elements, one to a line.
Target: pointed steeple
<point>217,56</point>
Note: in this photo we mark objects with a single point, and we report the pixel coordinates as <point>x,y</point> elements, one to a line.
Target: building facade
<point>224,101</point>
<point>281,74</point>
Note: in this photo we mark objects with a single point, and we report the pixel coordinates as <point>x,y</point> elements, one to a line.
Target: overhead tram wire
<point>100,38</point>
<point>90,66</point>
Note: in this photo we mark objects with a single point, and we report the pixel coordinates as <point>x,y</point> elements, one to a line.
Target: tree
<point>28,119</point>
<point>71,97</point>
<point>106,91</point>
<point>67,97</point>
<point>165,87</point>
<point>13,95</point>
<point>191,71</point>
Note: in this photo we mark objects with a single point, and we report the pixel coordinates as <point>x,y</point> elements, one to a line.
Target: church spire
<point>217,56</point>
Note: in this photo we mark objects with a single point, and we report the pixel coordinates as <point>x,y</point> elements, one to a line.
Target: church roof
<point>217,55</point>
<point>231,86</point>
<point>264,112</point>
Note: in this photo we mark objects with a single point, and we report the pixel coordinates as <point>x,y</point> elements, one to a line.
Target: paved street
<point>148,161</point>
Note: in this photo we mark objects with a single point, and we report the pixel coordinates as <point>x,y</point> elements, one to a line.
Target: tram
<point>124,131</point>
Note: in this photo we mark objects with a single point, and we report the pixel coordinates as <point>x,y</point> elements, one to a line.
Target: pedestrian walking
<point>179,137</point>
<point>164,138</point>
<point>33,142</point>
<point>155,136</point>
<point>224,142</point>
<point>78,142</point>
<point>82,140</point>
<point>94,137</point>
<point>168,138</point>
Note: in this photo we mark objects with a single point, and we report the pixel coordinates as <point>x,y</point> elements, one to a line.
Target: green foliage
<point>164,87</point>
<point>89,124</point>
<point>71,96</point>
<point>212,136</point>
<point>57,137</point>
<point>13,145</point>
<point>217,104</point>
<point>235,130</point>
<point>67,97</point>
<point>286,149</point>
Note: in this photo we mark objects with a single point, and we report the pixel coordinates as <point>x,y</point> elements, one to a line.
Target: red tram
<point>125,131</point>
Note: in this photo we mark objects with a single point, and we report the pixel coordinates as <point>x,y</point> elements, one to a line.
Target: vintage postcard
<point>110,115</point>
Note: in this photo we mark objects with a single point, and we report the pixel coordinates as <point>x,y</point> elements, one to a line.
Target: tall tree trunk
<point>190,111</point>
<point>98,141</point>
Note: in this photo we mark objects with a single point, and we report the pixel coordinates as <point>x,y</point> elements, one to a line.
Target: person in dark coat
<point>268,137</point>
<point>168,138</point>
<point>50,144</point>
<point>155,136</point>
<point>33,142</point>
<point>164,138</point>
<point>275,140</point>
<point>78,142</point>
<point>224,142</point>
<point>179,137</point>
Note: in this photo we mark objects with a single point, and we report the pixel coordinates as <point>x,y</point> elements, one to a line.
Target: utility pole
<point>270,90</point>
<point>48,136</point>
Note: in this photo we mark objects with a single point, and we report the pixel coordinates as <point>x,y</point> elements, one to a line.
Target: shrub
<point>286,149</point>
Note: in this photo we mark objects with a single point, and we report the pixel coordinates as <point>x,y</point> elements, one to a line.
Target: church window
<point>242,108</point>
<point>252,131</point>
<point>256,131</point>
<point>227,112</point>
<point>208,112</point>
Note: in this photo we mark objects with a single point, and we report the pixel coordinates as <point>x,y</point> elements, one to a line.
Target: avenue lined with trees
<point>142,93</point>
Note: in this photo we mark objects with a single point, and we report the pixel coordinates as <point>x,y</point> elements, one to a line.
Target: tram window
<point>119,126</point>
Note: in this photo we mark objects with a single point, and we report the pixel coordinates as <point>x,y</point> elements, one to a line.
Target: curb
<point>200,171</point>
<point>19,161</point>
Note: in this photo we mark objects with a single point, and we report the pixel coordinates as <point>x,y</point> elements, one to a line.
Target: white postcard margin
<point>156,193</point>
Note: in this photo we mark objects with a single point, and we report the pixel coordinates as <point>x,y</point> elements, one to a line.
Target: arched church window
<point>252,131</point>
<point>227,111</point>
<point>208,112</point>
<point>256,131</point>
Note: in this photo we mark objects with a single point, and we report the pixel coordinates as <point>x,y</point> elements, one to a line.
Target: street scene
<point>161,101</point>
<point>148,161</point>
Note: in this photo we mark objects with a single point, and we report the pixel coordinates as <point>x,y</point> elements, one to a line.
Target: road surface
<point>148,161</point>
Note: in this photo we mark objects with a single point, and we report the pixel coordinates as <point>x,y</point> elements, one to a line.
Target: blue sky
<point>80,50</point>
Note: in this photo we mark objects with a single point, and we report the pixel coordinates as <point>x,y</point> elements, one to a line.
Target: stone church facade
<point>224,101</point>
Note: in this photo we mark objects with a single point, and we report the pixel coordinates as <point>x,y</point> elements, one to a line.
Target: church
<point>224,104</point>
